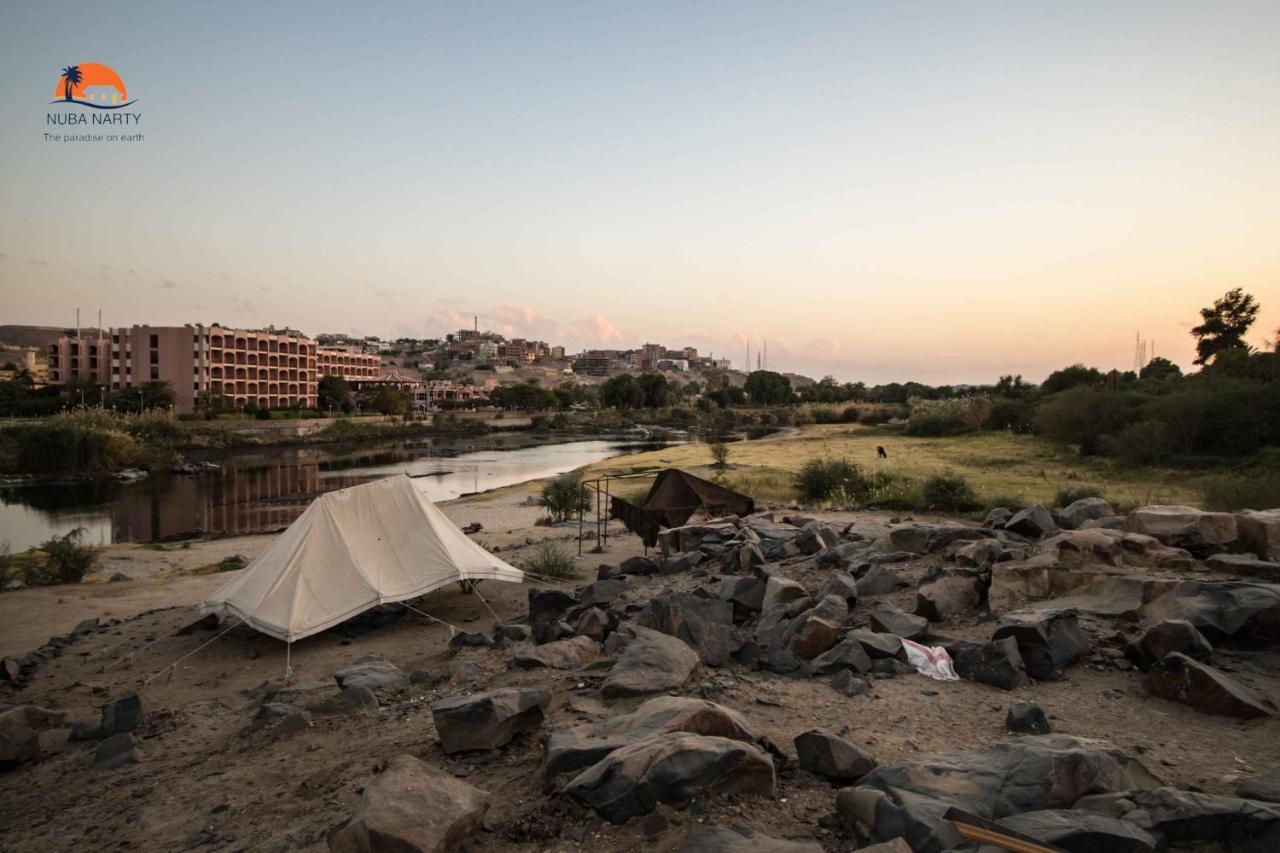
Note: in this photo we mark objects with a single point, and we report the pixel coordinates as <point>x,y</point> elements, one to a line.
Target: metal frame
<point>602,514</point>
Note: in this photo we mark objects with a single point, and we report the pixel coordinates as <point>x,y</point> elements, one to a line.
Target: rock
<point>653,662</point>
<point>1185,527</point>
<point>122,714</point>
<point>746,594</point>
<point>488,720</point>
<point>348,702</point>
<point>593,623</point>
<point>10,670</point>
<point>814,636</point>
<point>118,577</point>
<point>86,626</point>
<point>371,672</point>
<point>570,750</point>
<point>1239,612</point>
<point>116,751</point>
<point>599,594</point>
<point>841,584</point>
<point>671,768</point>
<point>980,553</point>
<point>411,807</point>
<point>997,518</point>
<point>998,662</point>
<point>467,639</point>
<point>848,655</point>
<point>1079,830</point>
<point>510,631</point>
<point>909,798</point>
<point>717,839</point>
<point>1183,679</point>
<point>1163,638</point>
<point>639,566</point>
<point>1032,522</point>
<point>1027,718</point>
<point>887,619</point>
<point>1265,787</point>
<point>50,742</point>
<point>1245,565</point>
<point>1259,533</point>
<point>878,580</point>
<point>1048,640</point>
<point>1078,512</point>
<point>684,563</point>
<point>948,596</point>
<point>849,684</point>
<point>780,590</point>
<point>834,759</point>
<point>574,653</point>
<point>281,719</point>
<point>20,730</point>
<point>705,624</point>
<point>547,608</point>
<point>1187,820</point>
<point>878,646</point>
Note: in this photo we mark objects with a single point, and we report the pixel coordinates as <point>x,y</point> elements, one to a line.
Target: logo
<point>91,84</point>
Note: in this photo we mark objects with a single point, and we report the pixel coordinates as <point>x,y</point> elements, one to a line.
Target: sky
<point>939,192</point>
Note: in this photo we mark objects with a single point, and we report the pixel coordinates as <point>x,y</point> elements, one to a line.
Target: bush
<point>1081,416</point>
<point>947,417</point>
<point>93,441</point>
<point>1071,494</point>
<point>552,562</point>
<point>949,492</point>
<point>1234,492</point>
<point>67,560</point>
<point>1010,413</point>
<point>563,497</point>
<point>1143,443</point>
<point>719,453</point>
<point>1014,503</point>
<point>838,481</point>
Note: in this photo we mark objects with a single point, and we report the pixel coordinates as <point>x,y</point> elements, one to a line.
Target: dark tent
<point>673,499</point>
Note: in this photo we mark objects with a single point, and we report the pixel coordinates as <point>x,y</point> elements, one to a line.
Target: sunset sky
<point>942,192</point>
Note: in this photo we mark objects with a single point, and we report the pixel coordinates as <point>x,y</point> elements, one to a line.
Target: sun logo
<point>91,84</point>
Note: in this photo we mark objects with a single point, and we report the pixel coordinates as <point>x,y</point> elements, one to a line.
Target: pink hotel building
<point>266,368</point>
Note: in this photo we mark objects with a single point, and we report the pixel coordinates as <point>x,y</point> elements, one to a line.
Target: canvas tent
<point>350,550</point>
<point>673,499</point>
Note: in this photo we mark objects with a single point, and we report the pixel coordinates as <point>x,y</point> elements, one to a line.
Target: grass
<point>1026,466</point>
<point>234,563</point>
<point>551,561</point>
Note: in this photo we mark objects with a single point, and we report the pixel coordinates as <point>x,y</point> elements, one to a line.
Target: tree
<point>767,388</point>
<point>658,392</point>
<point>333,392</point>
<point>1070,377</point>
<point>621,392</point>
<point>1160,369</point>
<point>1082,416</point>
<point>1012,386</point>
<point>387,400</point>
<point>1225,324</point>
<point>71,78</point>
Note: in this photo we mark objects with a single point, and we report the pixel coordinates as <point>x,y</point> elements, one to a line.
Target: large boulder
<point>371,672</point>
<point>780,590</point>
<point>411,807</point>
<point>547,610</point>
<point>1245,565</point>
<point>887,619</point>
<point>20,730</point>
<point>122,714</point>
<point>705,624</point>
<point>671,768</point>
<point>909,799</point>
<point>1033,522</point>
<point>573,653</point>
<point>345,703</point>
<point>1238,612</point>
<point>947,596</point>
<point>848,654</point>
<point>488,720</point>
<point>1049,640</point>
<point>745,593</point>
<point>998,662</point>
<point>842,584</point>
<point>1164,638</point>
<point>1082,831</point>
<point>1078,512</point>
<point>833,758</point>
<point>1187,820</point>
<point>570,750</point>
<point>1259,533</point>
<point>1265,786</point>
<point>719,839</point>
<point>1196,530</point>
<point>653,662</point>
<point>877,580</point>
<point>1186,680</point>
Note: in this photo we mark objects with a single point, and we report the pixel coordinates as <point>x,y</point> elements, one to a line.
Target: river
<point>260,490</point>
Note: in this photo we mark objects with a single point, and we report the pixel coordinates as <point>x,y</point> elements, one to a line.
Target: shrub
<point>1144,443</point>
<point>1071,494</point>
<point>949,492</point>
<point>1015,503</point>
<point>947,417</point>
<point>1081,416</point>
<point>1233,492</point>
<point>1010,413</point>
<point>67,560</point>
<point>838,481</point>
<point>552,562</point>
<point>563,497</point>
<point>719,453</point>
<point>895,493</point>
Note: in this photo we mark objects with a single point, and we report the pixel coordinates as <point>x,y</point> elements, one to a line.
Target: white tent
<point>350,550</point>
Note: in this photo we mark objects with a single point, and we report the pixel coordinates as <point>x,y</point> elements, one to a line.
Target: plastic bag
<point>933,662</point>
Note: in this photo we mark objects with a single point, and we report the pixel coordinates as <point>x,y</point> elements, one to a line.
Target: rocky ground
<point>753,686</point>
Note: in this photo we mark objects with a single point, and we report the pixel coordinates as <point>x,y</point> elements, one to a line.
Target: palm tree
<point>71,77</point>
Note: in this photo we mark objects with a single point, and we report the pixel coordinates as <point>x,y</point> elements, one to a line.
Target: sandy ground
<point>209,782</point>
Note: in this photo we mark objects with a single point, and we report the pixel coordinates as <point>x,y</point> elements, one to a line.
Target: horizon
<point>916,192</point>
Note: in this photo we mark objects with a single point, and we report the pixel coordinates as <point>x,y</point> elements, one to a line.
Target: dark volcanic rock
<point>1048,640</point>
<point>122,714</point>
<point>653,662</point>
<point>371,672</point>
<point>745,593</point>
<point>878,580</point>
<point>1164,638</point>
<point>1032,522</point>
<point>841,584</point>
<point>118,750</point>
<point>705,624</point>
<point>998,662</point>
<point>848,655</point>
<point>1183,679</point>
<point>353,700</point>
<point>1189,820</point>
<point>1240,612</point>
<point>887,619</point>
<point>1080,831</point>
<point>639,566</point>
<point>835,759</point>
<point>411,807</point>
<point>878,645</point>
<point>1265,787</point>
<point>948,596</point>
<point>1027,718</point>
<point>488,720</point>
<point>562,654</point>
<point>671,768</point>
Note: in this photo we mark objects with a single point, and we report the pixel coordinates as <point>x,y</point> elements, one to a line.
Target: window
<point>155,357</point>
<point>155,341</point>
<point>155,373</point>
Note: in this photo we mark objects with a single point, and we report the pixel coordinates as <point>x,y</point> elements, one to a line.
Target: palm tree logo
<point>70,77</point>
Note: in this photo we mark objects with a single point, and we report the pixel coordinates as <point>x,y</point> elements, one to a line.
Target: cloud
<point>168,284</point>
<point>598,330</point>
<point>36,262</point>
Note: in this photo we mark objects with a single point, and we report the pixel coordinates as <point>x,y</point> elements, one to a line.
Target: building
<point>263,368</point>
<point>31,359</point>
<point>599,362</point>
<point>349,363</point>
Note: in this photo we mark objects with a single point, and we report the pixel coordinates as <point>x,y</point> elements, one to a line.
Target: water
<point>262,490</point>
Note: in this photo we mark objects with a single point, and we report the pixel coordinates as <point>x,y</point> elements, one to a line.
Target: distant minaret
<point>766,353</point>
<point>476,320</point>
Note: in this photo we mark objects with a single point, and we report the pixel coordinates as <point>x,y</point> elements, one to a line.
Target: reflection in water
<point>264,490</point>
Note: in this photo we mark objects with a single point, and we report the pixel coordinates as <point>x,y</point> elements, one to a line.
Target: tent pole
<point>606,517</point>
<point>582,496</point>
<point>288,668</point>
